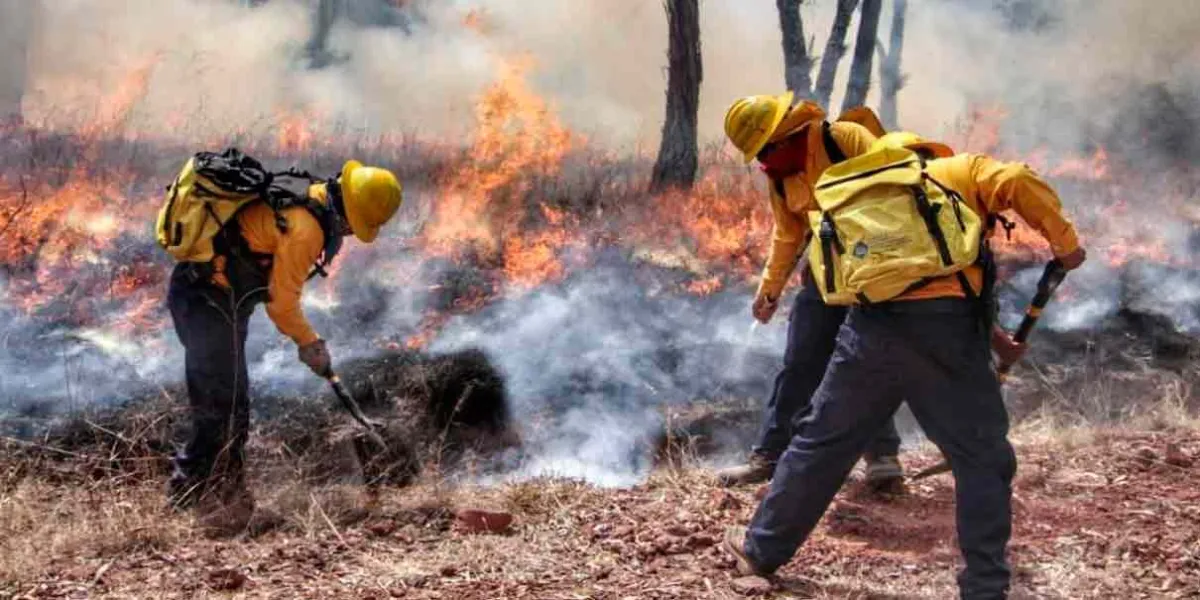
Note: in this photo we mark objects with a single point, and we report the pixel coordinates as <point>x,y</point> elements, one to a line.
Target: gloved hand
<point>764,308</point>
<point>316,356</point>
<point>1008,350</point>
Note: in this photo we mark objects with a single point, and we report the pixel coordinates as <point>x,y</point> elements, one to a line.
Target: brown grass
<point>1100,513</point>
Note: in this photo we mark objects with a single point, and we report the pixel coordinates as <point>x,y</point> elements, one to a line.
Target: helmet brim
<point>782,106</point>
<point>939,150</point>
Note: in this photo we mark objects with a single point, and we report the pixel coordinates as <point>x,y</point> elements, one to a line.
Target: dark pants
<point>212,327</point>
<point>812,329</point>
<point>934,353</point>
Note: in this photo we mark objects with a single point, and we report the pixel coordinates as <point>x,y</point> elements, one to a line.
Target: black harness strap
<point>829,243</point>
<point>929,215</point>
<point>832,150</point>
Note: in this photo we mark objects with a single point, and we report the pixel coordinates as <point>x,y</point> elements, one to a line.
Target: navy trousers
<point>934,353</point>
<point>212,326</point>
<point>812,329</point>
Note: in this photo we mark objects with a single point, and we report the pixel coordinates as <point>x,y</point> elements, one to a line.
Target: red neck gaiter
<point>788,158</point>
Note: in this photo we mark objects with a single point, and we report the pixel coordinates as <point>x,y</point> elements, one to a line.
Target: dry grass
<point>1099,514</point>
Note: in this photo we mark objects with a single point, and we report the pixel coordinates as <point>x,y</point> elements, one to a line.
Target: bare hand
<point>764,308</point>
<point>1072,261</point>
<point>316,356</point>
<point>1006,348</point>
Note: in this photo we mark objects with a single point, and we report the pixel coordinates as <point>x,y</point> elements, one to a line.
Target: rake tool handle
<point>339,389</point>
<point>1052,276</point>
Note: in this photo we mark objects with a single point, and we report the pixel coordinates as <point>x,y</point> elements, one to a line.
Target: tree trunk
<point>797,71</point>
<point>677,153</point>
<point>16,24</point>
<point>835,48</point>
<point>890,78</point>
<point>317,49</point>
<point>864,53</point>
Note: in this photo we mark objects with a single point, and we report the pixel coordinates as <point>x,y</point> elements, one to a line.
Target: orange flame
<point>517,138</point>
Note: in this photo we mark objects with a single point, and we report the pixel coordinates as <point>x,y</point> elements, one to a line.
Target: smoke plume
<point>1101,96</point>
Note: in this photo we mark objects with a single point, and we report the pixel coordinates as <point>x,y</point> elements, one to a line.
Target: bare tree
<point>677,154</point>
<point>16,23</point>
<point>797,71</point>
<point>317,48</point>
<point>890,77</point>
<point>835,48</point>
<point>864,51</point>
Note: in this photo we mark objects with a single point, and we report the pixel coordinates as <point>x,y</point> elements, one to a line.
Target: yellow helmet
<point>751,120</point>
<point>866,117</point>
<point>370,196</point>
<point>912,141</point>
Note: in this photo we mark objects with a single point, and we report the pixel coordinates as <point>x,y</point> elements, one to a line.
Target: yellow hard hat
<point>866,117</point>
<point>912,141</point>
<point>751,120</point>
<point>370,196</point>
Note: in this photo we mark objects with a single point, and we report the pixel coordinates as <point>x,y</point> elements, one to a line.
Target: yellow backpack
<point>884,227</point>
<point>210,190</point>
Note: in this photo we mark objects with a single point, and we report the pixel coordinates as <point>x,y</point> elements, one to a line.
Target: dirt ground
<point>1099,514</point>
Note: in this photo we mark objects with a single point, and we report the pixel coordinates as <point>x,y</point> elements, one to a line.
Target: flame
<point>74,249</point>
<point>295,132</point>
<point>705,286</point>
<point>114,109</point>
<point>517,139</point>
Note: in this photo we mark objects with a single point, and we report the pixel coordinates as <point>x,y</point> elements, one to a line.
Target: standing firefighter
<point>243,236</point>
<point>794,145</point>
<point>901,235</point>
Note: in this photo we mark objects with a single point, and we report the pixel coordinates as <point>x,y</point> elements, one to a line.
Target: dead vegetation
<point>1104,513</point>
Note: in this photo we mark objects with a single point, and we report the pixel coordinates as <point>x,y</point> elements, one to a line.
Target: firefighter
<point>794,145</point>
<point>929,341</point>
<point>257,259</point>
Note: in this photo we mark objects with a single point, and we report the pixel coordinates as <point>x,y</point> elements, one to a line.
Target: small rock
<point>226,580</point>
<point>677,530</point>
<point>1177,457</point>
<point>1145,456</point>
<point>601,530</point>
<point>382,527</point>
<point>724,500</point>
<point>481,521</point>
<point>751,586</point>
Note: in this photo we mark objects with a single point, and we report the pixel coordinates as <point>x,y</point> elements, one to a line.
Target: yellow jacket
<point>292,257</point>
<point>991,186</point>
<point>790,231</point>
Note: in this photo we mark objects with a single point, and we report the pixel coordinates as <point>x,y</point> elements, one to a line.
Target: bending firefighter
<point>902,241</point>
<point>244,236</point>
<point>794,145</point>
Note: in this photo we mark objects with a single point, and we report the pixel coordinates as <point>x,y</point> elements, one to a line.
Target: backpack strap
<point>832,150</point>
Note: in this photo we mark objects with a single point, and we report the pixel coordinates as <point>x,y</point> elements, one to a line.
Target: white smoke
<point>597,353</point>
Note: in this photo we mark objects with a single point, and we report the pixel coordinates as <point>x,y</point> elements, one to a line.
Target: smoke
<point>591,360</point>
<point>1059,67</point>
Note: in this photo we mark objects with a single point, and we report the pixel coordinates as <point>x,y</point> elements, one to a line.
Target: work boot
<point>884,473</point>
<point>757,469</point>
<point>734,544</point>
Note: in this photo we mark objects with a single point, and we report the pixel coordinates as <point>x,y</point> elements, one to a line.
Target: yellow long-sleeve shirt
<point>991,186</point>
<point>790,212</point>
<point>292,257</point>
